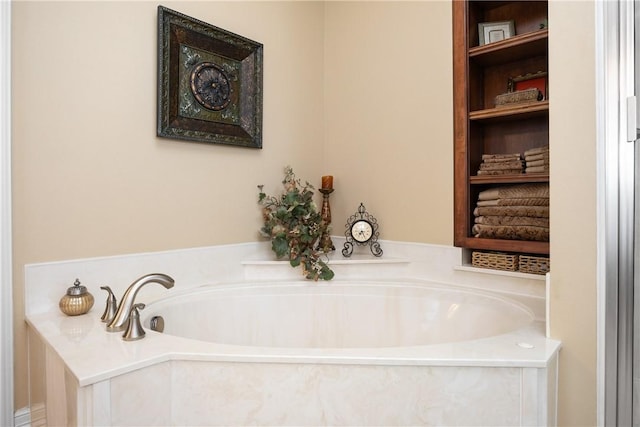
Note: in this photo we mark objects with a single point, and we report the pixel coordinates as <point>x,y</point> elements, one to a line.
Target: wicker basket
<point>495,260</point>
<point>534,264</point>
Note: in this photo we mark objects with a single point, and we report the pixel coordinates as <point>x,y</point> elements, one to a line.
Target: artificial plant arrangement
<point>294,225</point>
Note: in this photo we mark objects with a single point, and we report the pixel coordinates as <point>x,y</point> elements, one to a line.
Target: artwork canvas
<point>209,83</point>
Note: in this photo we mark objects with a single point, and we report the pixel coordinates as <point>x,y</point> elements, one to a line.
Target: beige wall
<point>389,120</point>
<point>361,90</point>
<point>90,176</point>
<point>573,205</point>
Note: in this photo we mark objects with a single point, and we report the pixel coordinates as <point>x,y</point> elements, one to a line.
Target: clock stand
<point>362,230</point>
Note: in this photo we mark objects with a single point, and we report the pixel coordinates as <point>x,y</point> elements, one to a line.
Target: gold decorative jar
<point>77,300</point>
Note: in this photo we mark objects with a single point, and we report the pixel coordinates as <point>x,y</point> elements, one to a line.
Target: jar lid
<point>77,289</point>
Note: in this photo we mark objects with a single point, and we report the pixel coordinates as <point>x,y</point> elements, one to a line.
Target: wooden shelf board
<point>520,246</point>
<point>516,111</point>
<point>509,179</point>
<point>512,49</point>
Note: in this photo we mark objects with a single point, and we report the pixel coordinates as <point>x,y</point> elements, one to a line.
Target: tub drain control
<point>157,324</point>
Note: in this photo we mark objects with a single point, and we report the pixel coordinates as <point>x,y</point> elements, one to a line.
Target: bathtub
<point>336,316</point>
<point>366,353</point>
<point>359,353</point>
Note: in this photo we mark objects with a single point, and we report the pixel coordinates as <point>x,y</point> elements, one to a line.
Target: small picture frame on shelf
<point>491,32</point>
<point>537,80</point>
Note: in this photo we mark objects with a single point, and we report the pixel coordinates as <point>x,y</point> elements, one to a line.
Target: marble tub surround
<point>423,262</point>
<point>87,370</point>
<point>290,394</point>
<point>45,283</point>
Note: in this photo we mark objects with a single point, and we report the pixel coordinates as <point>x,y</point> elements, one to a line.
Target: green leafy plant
<point>294,225</point>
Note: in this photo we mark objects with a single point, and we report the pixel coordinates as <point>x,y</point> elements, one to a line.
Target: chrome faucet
<point>121,318</point>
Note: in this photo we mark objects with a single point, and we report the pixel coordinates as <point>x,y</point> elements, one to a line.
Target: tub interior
<point>337,315</point>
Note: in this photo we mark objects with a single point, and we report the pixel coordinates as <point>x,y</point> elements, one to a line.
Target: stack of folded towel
<point>537,160</point>
<point>501,164</point>
<point>515,212</point>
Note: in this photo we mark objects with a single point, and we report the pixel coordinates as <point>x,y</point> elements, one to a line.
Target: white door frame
<point>615,210</point>
<point>6,282</point>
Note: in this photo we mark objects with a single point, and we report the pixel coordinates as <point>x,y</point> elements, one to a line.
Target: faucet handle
<point>134,329</point>
<point>111,307</point>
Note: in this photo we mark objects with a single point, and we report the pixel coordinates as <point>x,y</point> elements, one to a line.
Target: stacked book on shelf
<point>537,160</point>
<point>513,212</point>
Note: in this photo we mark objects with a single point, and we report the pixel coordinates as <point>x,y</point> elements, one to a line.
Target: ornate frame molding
<point>209,83</point>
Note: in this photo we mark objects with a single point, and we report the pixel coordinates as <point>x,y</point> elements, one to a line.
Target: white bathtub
<point>337,315</point>
<point>301,353</point>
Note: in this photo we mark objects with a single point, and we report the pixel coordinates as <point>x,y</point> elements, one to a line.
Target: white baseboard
<point>35,416</point>
<point>22,417</point>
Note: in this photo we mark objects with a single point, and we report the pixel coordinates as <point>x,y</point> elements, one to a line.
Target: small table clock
<point>362,230</point>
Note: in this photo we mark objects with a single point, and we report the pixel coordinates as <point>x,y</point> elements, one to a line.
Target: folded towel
<point>516,191</point>
<point>512,220</point>
<point>501,165</point>
<point>501,159</point>
<point>537,163</point>
<point>537,150</point>
<point>533,157</point>
<point>509,156</point>
<point>518,232</point>
<point>532,211</point>
<point>537,169</point>
<point>500,171</point>
<point>528,201</point>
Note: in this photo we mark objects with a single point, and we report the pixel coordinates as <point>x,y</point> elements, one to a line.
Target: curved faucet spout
<point>119,322</point>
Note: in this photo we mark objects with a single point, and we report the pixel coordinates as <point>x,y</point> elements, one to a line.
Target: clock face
<point>361,231</point>
<point>210,86</point>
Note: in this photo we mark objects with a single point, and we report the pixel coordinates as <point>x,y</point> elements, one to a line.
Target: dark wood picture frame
<point>209,83</point>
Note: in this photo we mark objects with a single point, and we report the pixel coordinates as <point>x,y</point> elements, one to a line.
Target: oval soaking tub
<point>357,353</point>
<point>366,353</point>
<point>333,315</point>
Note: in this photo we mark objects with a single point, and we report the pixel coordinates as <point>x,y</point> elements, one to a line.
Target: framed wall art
<point>490,32</point>
<point>209,83</point>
